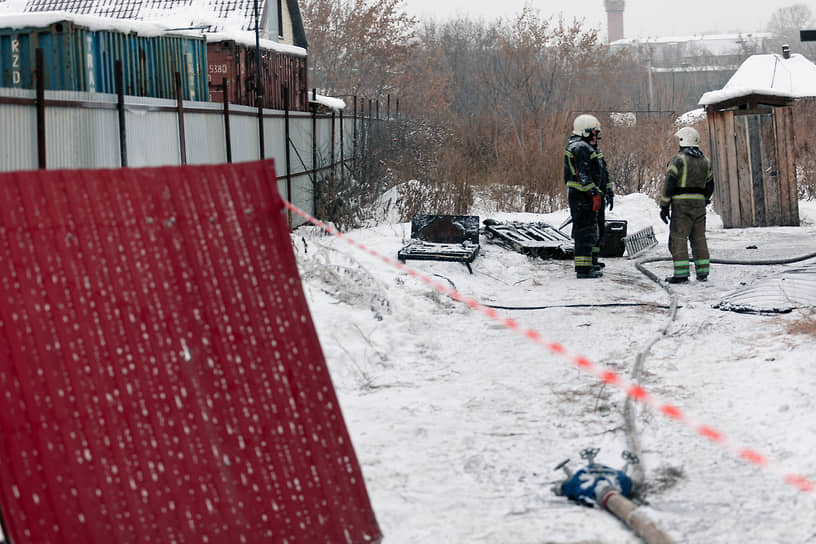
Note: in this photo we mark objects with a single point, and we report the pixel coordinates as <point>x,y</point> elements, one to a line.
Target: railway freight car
<point>283,73</point>
<point>78,58</point>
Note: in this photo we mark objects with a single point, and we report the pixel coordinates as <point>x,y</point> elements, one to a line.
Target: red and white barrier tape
<point>633,390</point>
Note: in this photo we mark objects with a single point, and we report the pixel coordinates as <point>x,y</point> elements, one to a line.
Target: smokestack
<point>786,51</point>
<point>614,19</point>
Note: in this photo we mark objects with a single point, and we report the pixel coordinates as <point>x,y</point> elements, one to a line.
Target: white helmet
<point>689,137</point>
<point>584,124</point>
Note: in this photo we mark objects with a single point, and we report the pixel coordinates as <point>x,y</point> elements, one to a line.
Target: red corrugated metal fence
<point>161,377</point>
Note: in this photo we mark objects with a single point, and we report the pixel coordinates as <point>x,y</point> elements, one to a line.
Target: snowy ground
<point>458,422</point>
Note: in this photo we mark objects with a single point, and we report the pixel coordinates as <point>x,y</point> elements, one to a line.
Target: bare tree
<point>785,25</point>
<point>357,47</point>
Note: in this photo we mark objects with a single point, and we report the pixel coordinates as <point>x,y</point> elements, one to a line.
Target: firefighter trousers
<point>584,228</point>
<point>688,224</point>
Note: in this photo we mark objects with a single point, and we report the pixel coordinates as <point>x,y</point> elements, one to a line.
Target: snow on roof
<point>768,75</point>
<point>91,22</point>
<point>328,101</point>
<point>219,15</point>
<point>11,16</point>
<point>247,38</point>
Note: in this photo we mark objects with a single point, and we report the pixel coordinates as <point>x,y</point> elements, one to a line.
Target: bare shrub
<point>804,118</point>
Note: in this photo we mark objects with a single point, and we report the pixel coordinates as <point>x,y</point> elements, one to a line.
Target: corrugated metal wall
<point>82,131</point>
<point>81,138</point>
<point>151,392</point>
<point>20,151</point>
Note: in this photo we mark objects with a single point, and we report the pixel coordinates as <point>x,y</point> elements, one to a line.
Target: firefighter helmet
<point>688,137</point>
<point>585,124</point>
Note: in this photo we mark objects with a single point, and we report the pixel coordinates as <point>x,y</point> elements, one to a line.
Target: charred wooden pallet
<point>534,239</point>
<point>452,238</point>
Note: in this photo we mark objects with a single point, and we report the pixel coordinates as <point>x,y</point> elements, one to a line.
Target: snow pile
<point>690,117</point>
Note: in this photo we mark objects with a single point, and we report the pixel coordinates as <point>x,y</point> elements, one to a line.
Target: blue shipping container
<point>78,59</point>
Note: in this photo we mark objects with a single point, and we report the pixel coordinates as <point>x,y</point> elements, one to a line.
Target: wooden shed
<point>751,133</point>
<point>752,151</point>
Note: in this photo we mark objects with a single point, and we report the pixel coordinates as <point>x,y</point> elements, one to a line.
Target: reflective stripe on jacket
<point>689,176</point>
<point>580,165</point>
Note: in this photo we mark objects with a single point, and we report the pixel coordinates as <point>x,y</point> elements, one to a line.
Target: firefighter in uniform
<point>607,198</point>
<point>582,176</point>
<point>687,190</point>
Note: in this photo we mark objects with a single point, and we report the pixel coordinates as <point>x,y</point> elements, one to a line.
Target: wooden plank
<point>791,149</point>
<point>780,146</point>
<point>726,189</point>
<point>770,170</point>
<point>756,180</point>
<point>730,147</point>
<point>719,166</point>
<point>742,154</point>
<point>785,145</point>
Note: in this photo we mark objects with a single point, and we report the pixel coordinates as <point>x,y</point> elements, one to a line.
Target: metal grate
<point>640,241</point>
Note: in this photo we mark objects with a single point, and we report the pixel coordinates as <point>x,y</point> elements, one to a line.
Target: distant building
<point>678,51</point>
<point>690,65</point>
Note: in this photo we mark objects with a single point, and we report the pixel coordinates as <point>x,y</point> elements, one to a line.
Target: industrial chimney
<point>614,19</point>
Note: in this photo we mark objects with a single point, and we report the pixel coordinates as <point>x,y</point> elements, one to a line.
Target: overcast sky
<point>641,18</point>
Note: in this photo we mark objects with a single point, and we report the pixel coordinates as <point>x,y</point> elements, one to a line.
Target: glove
<point>596,202</point>
<point>664,214</point>
<point>610,198</point>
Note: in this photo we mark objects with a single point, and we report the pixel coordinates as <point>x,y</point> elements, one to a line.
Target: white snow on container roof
<point>247,37</point>
<point>159,17</point>
<point>90,22</point>
<point>768,75</point>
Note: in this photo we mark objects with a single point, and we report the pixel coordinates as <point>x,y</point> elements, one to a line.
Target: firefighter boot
<point>597,264</point>
<point>677,279</point>
<point>588,274</point>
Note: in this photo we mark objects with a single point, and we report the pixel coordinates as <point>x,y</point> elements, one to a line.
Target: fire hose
<point>615,503</point>
<point>607,487</point>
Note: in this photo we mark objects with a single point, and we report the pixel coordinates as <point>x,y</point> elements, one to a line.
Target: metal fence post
<point>315,188</point>
<point>286,143</point>
<point>180,109</point>
<point>120,106</point>
<point>40,108</point>
<point>227,135</point>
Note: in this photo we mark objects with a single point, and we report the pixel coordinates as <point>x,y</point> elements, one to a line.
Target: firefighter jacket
<point>688,177</point>
<point>581,167</point>
<point>604,186</point>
